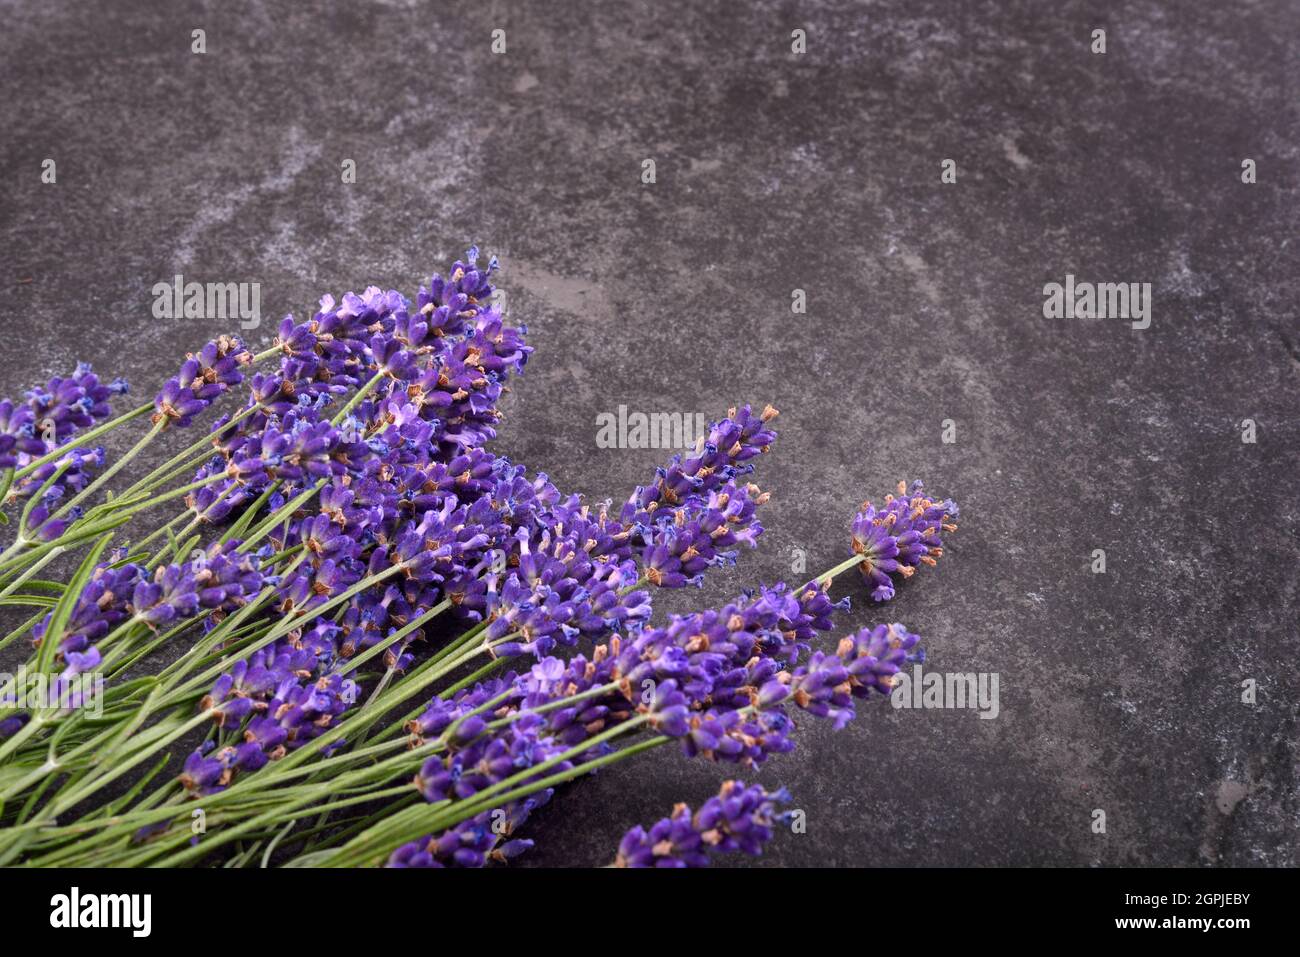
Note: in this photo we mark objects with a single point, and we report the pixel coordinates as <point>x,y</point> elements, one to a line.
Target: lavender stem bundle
<point>305,559</point>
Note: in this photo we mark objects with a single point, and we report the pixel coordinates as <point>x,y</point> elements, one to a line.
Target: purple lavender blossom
<point>474,842</point>
<point>738,818</point>
<point>699,534</point>
<point>49,417</point>
<point>278,699</point>
<point>203,377</point>
<point>65,406</point>
<point>723,454</point>
<point>474,762</point>
<point>407,484</point>
<point>12,724</point>
<point>17,435</point>
<point>903,534</point>
<point>103,604</point>
<point>52,414</point>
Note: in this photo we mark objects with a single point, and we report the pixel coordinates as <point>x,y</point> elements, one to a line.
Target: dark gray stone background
<point>1118,691</point>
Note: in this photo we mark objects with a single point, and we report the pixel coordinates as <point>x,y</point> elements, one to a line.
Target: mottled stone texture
<point>774,172</point>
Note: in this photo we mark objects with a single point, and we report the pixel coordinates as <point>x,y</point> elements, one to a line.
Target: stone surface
<point>925,303</point>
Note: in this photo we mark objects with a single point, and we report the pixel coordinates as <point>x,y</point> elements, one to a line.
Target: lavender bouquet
<point>305,559</point>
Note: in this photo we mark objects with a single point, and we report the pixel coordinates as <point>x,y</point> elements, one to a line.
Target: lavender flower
<point>103,604</point>
<point>475,761</point>
<point>472,762</point>
<point>408,489</point>
<point>699,533</point>
<point>471,843</point>
<point>226,579</point>
<point>894,539</point>
<point>13,724</point>
<point>738,818</point>
<point>17,435</point>
<point>65,406</point>
<point>52,414</point>
<point>278,699</point>
<point>723,454</point>
<point>203,377</point>
<point>208,771</point>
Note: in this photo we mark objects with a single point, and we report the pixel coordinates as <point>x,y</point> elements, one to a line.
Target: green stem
<point>23,629</point>
<point>371,846</point>
<point>356,399</point>
<point>827,577</point>
<point>285,511</point>
<point>288,625</point>
<point>118,770</point>
<point>49,556</point>
<point>20,539</point>
<point>88,436</point>
<point>455,814</point>
<point>112,470</point>
<point>490,796</point>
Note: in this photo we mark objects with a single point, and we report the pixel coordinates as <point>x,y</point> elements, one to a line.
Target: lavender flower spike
<point>739,818</point>
<point>203,377</point>
<point>896,538</point>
